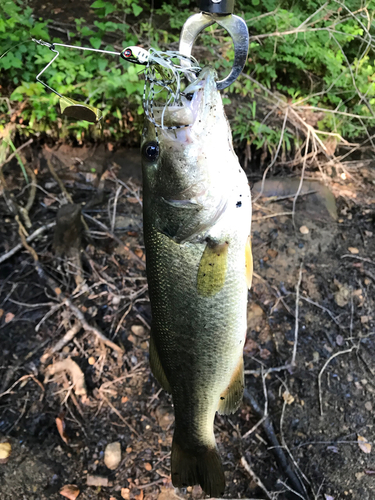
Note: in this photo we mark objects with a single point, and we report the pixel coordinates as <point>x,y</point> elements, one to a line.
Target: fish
<point>197,222</point>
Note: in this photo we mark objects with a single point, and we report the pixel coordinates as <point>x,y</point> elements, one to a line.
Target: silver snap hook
<point>234,25</point>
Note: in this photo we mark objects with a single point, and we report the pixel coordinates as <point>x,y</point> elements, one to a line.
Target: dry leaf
<point>8,317</point>
<point>364,444</point>
<point>112,455</point>
<point>148,466</point>
<point>140,496</point>
<point>74,371</point>
<point>70,491</point>
<point>5,451</point>
<point>288,398</point>
<point>353,250</point>
<point>60,424</point>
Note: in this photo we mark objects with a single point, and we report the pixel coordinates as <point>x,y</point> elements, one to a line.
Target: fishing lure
<point>161,70</point>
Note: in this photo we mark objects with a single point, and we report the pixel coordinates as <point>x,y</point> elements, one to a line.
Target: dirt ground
<point>317,433</point>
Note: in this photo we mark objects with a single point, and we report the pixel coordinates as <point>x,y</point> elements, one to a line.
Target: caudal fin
<point>203,468</point>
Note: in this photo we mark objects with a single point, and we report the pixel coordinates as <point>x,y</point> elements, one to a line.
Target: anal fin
<point>231,398</point>
<point>157,368</point>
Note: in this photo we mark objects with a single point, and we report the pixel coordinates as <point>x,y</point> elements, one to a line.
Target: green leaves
<point>95,42</point>
<point>137,9</point>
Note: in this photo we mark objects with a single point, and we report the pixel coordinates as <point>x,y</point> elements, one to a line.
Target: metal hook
<point>234,25</point>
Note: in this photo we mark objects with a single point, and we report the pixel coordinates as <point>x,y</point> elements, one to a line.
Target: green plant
<point>311,54</point>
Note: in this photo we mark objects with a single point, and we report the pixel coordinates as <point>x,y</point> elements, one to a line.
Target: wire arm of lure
<point>69,107</point>
<point>46,67</point>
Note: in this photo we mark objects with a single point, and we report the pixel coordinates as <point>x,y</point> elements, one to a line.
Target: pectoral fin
<point>231,398</point>
<point>212,269</point>
<point>248,262</point>
<point>157,368</point>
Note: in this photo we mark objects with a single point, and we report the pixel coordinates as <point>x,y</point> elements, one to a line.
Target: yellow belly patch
<point>212,269</point>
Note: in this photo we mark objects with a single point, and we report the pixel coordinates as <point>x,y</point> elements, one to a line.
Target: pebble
<point>112,455</point>
<point>304,230</point>
<point>138,330</point>
<point>368,406</point>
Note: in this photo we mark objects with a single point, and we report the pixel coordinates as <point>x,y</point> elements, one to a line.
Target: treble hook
<point>220,12</point>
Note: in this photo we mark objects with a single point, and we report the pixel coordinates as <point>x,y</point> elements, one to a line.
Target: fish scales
<point>197,213</point>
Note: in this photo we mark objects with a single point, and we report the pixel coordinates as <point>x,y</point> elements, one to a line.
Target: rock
<point>138,330</point>
<point>112,455</point>
<point>304,230</point>
<point>5,451</point>
<point>164,416</point>
<point>96,480</point>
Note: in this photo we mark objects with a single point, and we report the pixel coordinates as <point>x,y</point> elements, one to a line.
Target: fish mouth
<point>198,101</point>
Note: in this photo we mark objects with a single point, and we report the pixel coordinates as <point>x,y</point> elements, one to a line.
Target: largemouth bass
<point>197,216</point>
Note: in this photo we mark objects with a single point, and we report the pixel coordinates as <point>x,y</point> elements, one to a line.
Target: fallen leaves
<point>70,491</point>
<point>5,451</point>
<point>364,444</point>
<point>60,424</point>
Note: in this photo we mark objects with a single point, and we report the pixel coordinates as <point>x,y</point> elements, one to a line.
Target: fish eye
<point>151,151</point>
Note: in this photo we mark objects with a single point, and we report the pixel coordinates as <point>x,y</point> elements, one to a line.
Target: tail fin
<point>203,468</point>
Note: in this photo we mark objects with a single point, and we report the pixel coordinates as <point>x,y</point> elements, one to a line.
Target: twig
<point>24,377</point>
<point>270,216</point>
<point>309,301</point>
<point>113,222</point>
<point>70,334</point>
<point>285,446</point>
<point>290,489</point>
<point>273,441</point>
<point>30,238</point>
<point>88,328</point>
<point>11,156</point>
<point>275,156</point>
<point>363,259</point>
<point>118,413</point>
<point>255,478</point>
<point>59,181</point>
<point>293,362</point>
<point>114,237</point>
<point>301,180</point>
<point>347,351</point>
